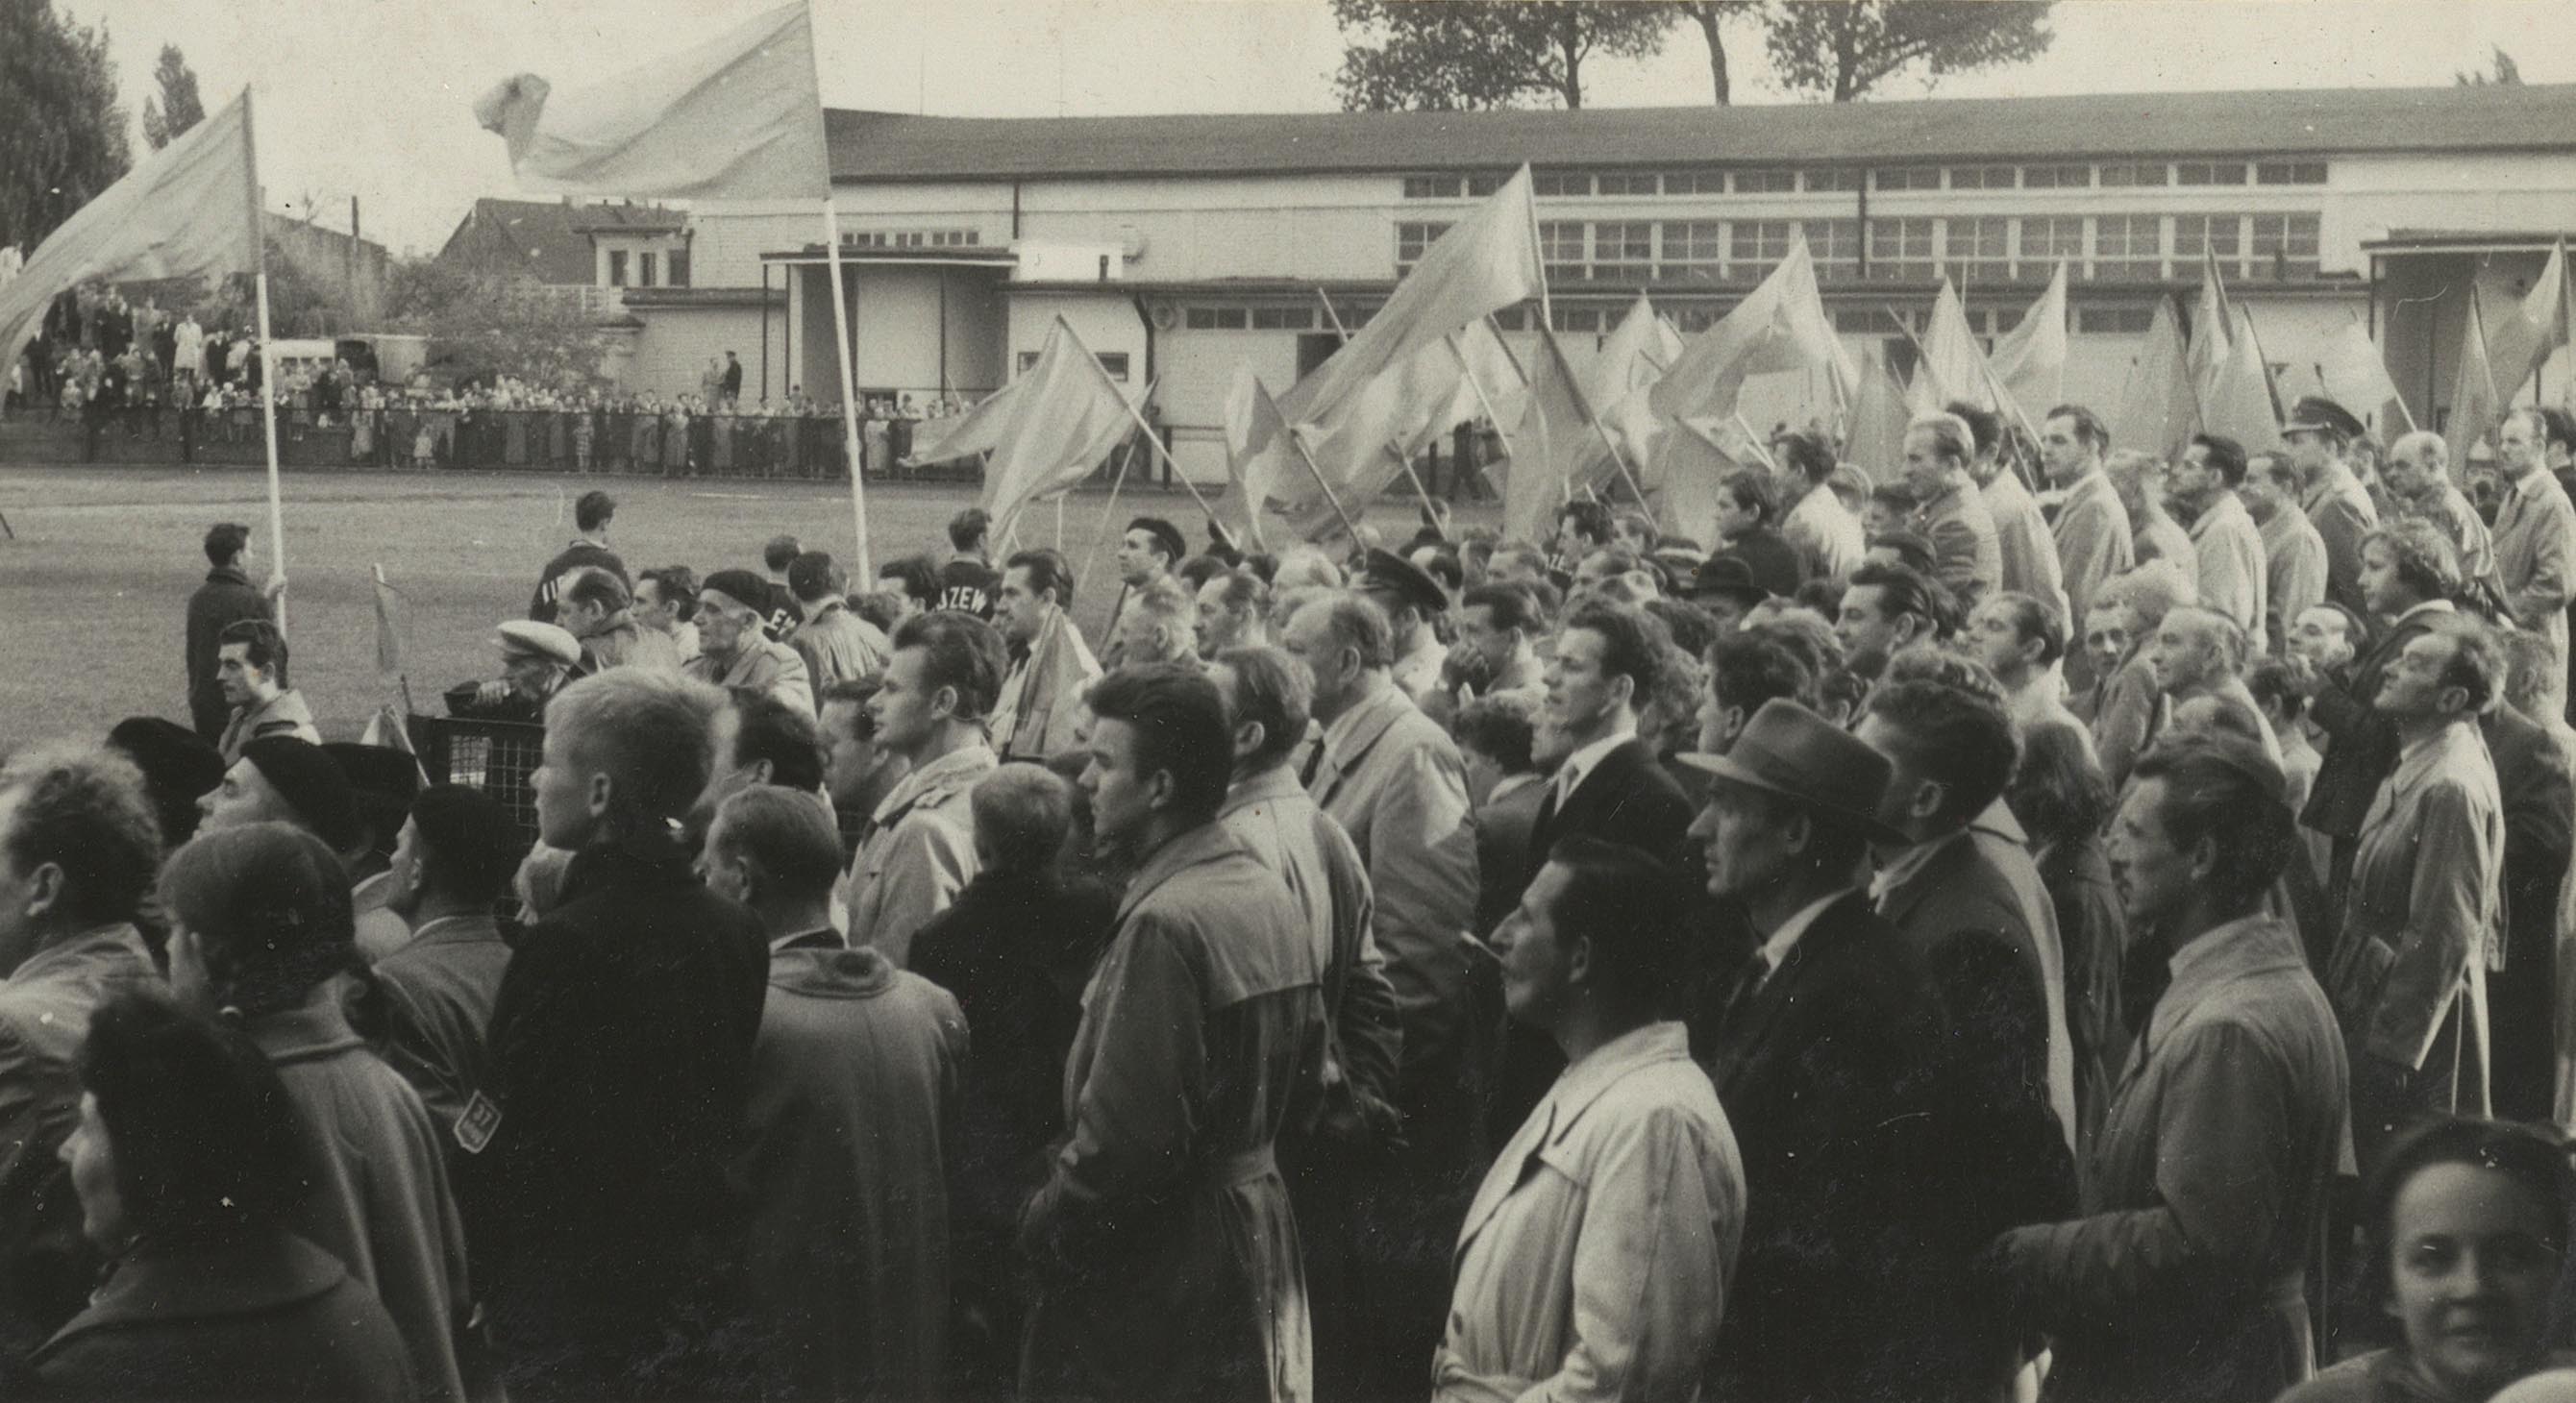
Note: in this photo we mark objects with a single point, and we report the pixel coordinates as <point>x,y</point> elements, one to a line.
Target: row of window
<point>911,238</point>
<point>1982,248</point>
<point>1986,322</point>
<point>645,269</point>
<point>2061,175</point>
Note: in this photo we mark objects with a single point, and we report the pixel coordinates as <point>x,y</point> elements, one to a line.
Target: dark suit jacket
<point>2361,747</point>
<point>2521,999</point>
<point>1627,798</point>
<point>1768,554</point>
<point>1864,1202</point>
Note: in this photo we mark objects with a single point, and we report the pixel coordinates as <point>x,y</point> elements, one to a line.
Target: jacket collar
<point>941,775</point>
<point>1576,1089</point>
<point>1276,785</point>
<point>2240,949</point>
<point>652,858</point>
<point>2226,509</point>
<point>227,575</point>
<point>453,930</point>
<point>100,945</point>
<point>317,1030</point>
<point>1355,730</point>
<point>833,973</point>
<point>1209,842</point>
<point>196,1281</point>
<point>1917,870</point>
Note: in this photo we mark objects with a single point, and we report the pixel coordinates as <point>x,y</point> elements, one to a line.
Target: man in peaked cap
<point>1819,1046</point>
<point>2336,502</point>
<point>537,660</point>
<point>1411,599</point>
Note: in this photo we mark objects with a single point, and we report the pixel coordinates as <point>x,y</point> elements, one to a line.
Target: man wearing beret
<point>280,779</point>
<point>1149,550</point>
<point>2337,504</point>
<point>1411,599</point>
<point>733,651</point>
<point>537,660</point>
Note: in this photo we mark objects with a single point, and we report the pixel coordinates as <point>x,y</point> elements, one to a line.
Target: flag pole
<point>267,358</point>
<point>1107,514</point>
<point>1327,299</point>
<point>1428,510</point>
<point>1151,439</point>
<point>849,386</point>
<point>1756,440</point>
<point>1330,495</point>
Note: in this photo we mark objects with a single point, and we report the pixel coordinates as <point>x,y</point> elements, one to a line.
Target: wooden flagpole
<point>267,360</point>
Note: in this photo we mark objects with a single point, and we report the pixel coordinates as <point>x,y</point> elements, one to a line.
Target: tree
<point>1844,49</point>
<point>2508,74</point>
<point>1711,17</point>
<point>482,323</point>
<point>1440,55</point>
<point>62,134</point>
<point>168,117</point>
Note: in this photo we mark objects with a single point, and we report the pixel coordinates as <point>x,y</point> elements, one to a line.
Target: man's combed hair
<point>1750,668</point>
<point>678,587</point>
<point>766,728</point>
<point>1806,454</point>
<point>595,510</point>
<point>1754,490</point>
<point>1275,689</point>
<point>594,588</point>
<point>787,833</point>
<point>914,575</point>
<point>1500,728</point>
<point>1022,816</point>
<point>2089,428</point>
<point>2224,454</point>
<point>968,527</point>
<point>2477,664</point>
<point>1984,429</point>
<point>1047,572</point>
<point>1178,721</point>
<point>1906,590</point>
<point>1953,735</point>
<point>1355,621</point>
<point>1628,907</point>
<point>88,813</point>
<point>2227,790</point>
<point>224,541</point>
<point>1632,645</point>
<point>652,733</point>
<point>267,646</point>
<point>2034,618</point>
<point>780,553</point>
<point>961,652</point>
<point>1590,518</point>
<point>1951,436</point>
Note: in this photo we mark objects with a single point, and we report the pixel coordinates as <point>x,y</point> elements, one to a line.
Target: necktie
<point>1314,765</point>
<point>1557,790</point>
<point>1740,995</point>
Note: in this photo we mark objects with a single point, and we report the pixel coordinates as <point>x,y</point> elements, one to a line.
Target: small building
<point>1182,245</point>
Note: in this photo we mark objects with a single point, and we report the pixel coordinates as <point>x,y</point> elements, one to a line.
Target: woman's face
<point>2471,1276</point>
<point>93,1166</point>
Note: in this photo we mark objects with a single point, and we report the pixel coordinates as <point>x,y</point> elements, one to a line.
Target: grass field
<point>94,589</point>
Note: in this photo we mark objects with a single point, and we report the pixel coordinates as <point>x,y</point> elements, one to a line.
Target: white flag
<point>735,118</point>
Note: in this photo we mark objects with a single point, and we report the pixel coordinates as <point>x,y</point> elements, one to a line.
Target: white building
<point>1181,245</point>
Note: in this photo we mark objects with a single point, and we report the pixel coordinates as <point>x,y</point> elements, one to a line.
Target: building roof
<point>548,240</point>
<point>894,146</point>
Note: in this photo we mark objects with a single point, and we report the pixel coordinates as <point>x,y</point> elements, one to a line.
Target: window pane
<point>1115,362</point>
<point>1692,249</point>
<point>1561,247</point>
<point>1765,182</point>
<point>1900,250</point>
<point>1283,318</point>
<point>1578,319</point>
<point>2047,241</point>
<point>1430,187</point>
<point>1413,239</point>
<point>1755,247</point>
<point>2140,173</point>
<point>2128,246</point>
<point>1981,177</point>
<point>1906,178</point>
<point>2290,173</point>
<point>1843,178</point>
<point>2113,321</point>
<point>1561,183</point>
<point>1979,249</point>
<point>1866,321</point>
<point>1511,319</point>
<point>2212,235</point>
<point>1481,185</point>
<point>1629,183</point>
<point>2209,173</point>
<point>2056,177</point>
<point>1835,245</point>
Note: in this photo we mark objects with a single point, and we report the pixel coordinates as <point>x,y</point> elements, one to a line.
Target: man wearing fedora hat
<point>1724,586</point>
<point>2337,504</point>
<point>1824,1048</point>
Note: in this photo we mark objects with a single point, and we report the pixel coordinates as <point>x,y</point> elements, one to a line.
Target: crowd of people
<point>1946,939</point>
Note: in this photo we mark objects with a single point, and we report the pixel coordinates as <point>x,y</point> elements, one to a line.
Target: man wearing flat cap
<point>536,661</point>
<point>2337,504</point>
<point>733,651</point>
<point>1821,1048</point>
<point>1411,599</point>
<point>1146,554</point>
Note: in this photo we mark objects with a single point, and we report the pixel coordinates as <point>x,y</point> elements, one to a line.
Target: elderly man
<point>2294,555</point>
<point>1234,612</point>
<point>454,858</point>
<point>250,666</point>
<point>735,649</point>
<point>2336,502</point>
<point>930,710</point>
<point>837,645</point>
<point>2126,615</point>
<point>2424,910</point>
<point>79,847</point>
<point>1595,1257</point>
<point>1412,600</point>
<point>2092,528</point>
<point>1953,881</point>
<point>2408,576</point>
<point>2535,539</point>
<point>2206,1188</point>
<point>2198,652</point>
<point>2418,476</point>
<point>226,598</point>
<point>1146,556</point>
<point>1041,699</point>
<point>1166,1254</point>
<point>596,609</point>
<point>1820,1046</point>
<point>537,661</point>
<point>2227,546</point>
<point>1824,532</point>
<point>2022,536</point>
<point>619,1072</point>
<point>855,1079</point>
<point>1948,508</point>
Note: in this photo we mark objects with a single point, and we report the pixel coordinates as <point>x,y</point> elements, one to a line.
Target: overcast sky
<point>371,97</point>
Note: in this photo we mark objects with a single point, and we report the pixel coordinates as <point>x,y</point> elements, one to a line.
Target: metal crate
<point>498,757</point>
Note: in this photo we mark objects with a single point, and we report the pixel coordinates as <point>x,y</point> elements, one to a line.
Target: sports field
<point>94,589</point>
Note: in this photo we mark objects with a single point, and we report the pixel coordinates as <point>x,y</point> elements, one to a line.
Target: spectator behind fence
<point>260,931</point>
<point>620,1053</point>
<point>185,1161</point>
<point>854,1090</point>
